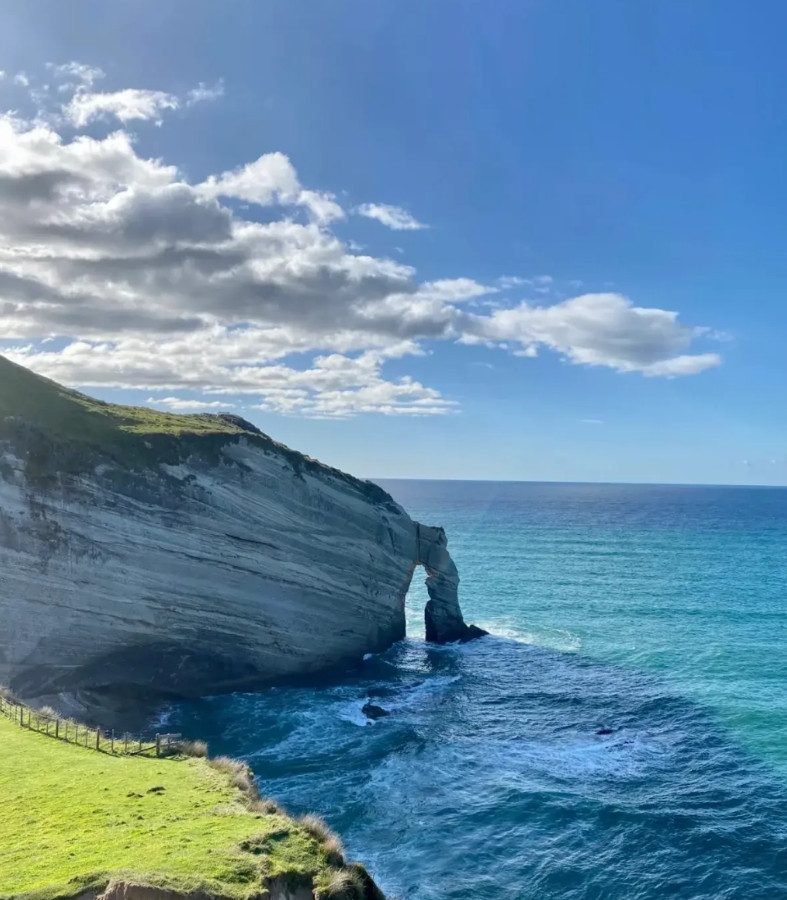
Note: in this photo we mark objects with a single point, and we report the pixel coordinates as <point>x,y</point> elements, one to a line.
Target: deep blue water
<point>657,612</point>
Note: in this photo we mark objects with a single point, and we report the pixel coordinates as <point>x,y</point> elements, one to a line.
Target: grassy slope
<point>121,431</point>
<point>71,817</point>
<point>77,417</point>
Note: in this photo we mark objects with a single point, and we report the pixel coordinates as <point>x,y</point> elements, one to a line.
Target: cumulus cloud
<point>181,404</point>
<point>236,285</point>
<point>272,180</point>
<point>601,330</point>
<point>74,75</point>
<point>125,105</point>
<point>71,97</point>
<point>391,216</point>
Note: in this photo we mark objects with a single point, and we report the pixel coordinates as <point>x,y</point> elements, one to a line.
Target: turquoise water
<point>658,614</point>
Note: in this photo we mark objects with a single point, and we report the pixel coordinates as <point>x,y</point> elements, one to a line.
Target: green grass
<point>77,417</point>
<point>72,818</point>
<point>73,430</point>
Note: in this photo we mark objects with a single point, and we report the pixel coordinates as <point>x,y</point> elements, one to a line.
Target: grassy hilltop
<point>73,819</point>
<point>77,417</point>
<point>71,429</point>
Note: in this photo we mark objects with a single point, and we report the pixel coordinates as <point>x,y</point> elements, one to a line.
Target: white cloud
<point>322,206</point>
<point>126,105</point>
<point>512,281</point>
<point>204,93</point>
<point>272,180</point>
<point>73,75</point>
<point>71,97</point>
<point>180,404</point>
<point>682,365</point>
<point>601,330</point>
<point>154,283</point>
<point>592,421</point>
<point>391,216</point>
<point>269,179</point>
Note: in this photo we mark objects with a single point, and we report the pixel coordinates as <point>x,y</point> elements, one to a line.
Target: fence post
<point>112,742</point>
<point>57,728</point>
<point>158,745</point>
<point>98,738</point>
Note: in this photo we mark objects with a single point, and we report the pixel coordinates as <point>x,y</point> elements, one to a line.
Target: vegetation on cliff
<point>75,819</point>
<point>71,415</point>
<point>63,432</point>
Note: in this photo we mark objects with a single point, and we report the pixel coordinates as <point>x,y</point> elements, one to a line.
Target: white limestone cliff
<point>205,564</point>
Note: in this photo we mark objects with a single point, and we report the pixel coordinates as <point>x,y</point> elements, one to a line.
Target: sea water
<point>621,736</point>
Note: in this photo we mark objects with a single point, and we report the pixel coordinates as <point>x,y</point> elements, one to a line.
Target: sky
<point>519,240</point>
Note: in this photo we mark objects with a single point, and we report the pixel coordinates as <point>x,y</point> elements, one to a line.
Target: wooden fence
<point>84,736</point>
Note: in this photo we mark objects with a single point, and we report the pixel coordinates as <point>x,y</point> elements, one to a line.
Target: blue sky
<point>582,170</point>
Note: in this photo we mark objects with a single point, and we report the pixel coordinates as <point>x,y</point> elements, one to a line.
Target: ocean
<point>622,735</point>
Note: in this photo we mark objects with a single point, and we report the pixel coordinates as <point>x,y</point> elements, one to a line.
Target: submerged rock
<point>145,555</point>
<point>372,711</point>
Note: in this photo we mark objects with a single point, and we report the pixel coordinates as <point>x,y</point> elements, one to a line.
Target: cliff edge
<point>151,555</point>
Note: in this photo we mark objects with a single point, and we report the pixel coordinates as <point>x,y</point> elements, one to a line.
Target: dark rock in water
<point>443,615</point>
<point>472,632</point>
<point>606,731</point>
<point>372,711</point>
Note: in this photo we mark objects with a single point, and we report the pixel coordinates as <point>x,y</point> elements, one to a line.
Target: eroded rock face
<point>234,564</point>
<point>443,615</point>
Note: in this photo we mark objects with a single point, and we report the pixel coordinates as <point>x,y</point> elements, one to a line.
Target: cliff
<point>146,555</point>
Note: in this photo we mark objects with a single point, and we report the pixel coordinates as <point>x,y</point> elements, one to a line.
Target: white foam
<point>351,711</point>
<point>402,698</point>
<point>621,756</point>
<point>560,639</point>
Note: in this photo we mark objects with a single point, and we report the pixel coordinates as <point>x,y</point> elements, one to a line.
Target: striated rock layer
<point>146,554</point>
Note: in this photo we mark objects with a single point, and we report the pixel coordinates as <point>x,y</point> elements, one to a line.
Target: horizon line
<point>556,481</point>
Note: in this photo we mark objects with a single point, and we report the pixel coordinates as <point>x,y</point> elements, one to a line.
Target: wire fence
<point>123,744</point>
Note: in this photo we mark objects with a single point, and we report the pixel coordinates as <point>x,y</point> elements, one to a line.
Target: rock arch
<point>443,614</point>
